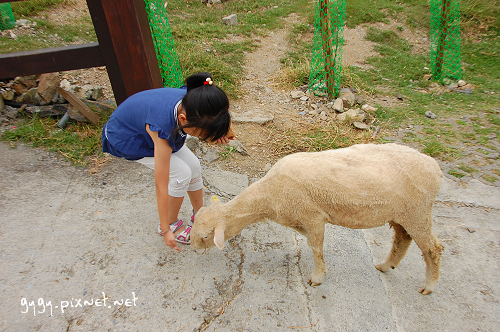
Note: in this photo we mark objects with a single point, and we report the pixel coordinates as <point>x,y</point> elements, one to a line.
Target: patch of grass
<point>77,142</point>
<point>467,169</point>
<point>33,7</point>
<point>489,178</point>
<point>227,152</point>
<point>307,137</point>
<point>456,173</point>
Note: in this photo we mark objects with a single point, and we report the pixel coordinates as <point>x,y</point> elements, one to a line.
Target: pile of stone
<point>38,95</point>
<point>348,107</point>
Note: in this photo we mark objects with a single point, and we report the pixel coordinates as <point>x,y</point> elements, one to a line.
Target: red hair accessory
<point>208,81</point>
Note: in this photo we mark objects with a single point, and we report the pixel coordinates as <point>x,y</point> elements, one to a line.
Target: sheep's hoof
<point>423,291</point>
<point>378,267</point>
<point>313,284</point>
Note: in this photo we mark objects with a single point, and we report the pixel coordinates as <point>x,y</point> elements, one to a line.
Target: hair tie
<point>208,81</point>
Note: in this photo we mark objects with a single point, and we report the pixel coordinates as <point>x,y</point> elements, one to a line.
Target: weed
<point>77,142</point>
<point>456,173</point>
<point>489,178</point>
<point>227,152</point>
<point>467,169</point>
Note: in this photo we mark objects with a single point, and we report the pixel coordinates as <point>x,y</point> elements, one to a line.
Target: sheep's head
<point>209,228</point>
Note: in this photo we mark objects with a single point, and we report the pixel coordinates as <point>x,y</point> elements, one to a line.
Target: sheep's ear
<point>219,236</point>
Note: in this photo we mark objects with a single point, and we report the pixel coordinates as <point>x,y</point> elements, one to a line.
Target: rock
<point>360,125</point>
<point>338,105</point>
<point>192,142</point>
<point>211,155</point>
<point>297,94</point>
<point>19,88</point>
<point>461,83</point>
<point>8,95</point>
<point>47,86</point>
<point>348,97</point>
<point>252,117</point>
<point>28,81</point>
<point>65,85</point>
<point>323,116</point>
<point>314,106</point>
<point>231,19</point>
<point>400,96</point>
<point>46,111</point>
<point>368,108</point>
<point>430,115</point>
<point>10,112</point>
<point>2,104</point>
<point>88,92</point>
<point>239,147</point>
<point>304,98</point>
<point>22,22</point>
<point>352,116</point>
<point>360,100</point>
<point>28,97</point>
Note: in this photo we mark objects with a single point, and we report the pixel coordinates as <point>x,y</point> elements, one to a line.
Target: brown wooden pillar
<point>126,45</point>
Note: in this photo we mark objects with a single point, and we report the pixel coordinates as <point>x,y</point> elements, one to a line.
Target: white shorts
<point>185,172</point>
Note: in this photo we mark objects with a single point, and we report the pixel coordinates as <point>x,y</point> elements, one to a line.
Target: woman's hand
<point>223,140</point>
<point>169,239</point>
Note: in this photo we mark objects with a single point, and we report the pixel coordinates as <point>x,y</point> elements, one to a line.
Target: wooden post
<point>327,46</point>
<point>126,45</point>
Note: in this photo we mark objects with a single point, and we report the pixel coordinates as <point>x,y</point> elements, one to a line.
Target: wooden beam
<point>79,105</point>
<point>50,60</point>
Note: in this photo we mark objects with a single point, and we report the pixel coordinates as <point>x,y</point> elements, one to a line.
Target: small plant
<point>456,173</point>
<point>489,178</point>
<point>77,142</point>
<point>467,169</point>
<point>227,152</point>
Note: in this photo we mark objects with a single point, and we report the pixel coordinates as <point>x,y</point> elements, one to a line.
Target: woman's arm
<point>162,154</point>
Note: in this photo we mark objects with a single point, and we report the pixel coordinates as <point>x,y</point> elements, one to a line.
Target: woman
<point>150,127</point>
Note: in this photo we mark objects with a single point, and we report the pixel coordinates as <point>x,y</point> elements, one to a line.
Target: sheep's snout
<point>200,251</point>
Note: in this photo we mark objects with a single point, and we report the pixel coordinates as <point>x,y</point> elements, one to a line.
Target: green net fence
<point>326,62</point>
<point>445,40</point>
<point>7,20</point>
<point>164,44</point>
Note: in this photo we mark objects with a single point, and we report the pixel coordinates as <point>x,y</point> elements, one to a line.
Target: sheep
<point>362,186</point>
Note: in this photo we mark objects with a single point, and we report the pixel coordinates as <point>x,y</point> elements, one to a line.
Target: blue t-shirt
<point>125,135</point>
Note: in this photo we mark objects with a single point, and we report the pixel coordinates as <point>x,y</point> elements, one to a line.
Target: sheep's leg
<point>429,244</point>
<point>315,241</point>
<point>431,250</point>
<point>400,244</point>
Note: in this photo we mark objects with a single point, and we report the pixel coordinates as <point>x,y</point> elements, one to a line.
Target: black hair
<point>207,107</point>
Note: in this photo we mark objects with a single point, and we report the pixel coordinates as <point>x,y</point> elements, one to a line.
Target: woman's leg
<point>195,187</point>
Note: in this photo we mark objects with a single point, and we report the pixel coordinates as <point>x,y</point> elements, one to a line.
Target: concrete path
<point>79,252</point>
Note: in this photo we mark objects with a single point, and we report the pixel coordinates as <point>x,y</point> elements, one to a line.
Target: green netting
<point>445,40</point>
<point>326,63</point>
<point>164,44</point>
<point>7,20</point>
